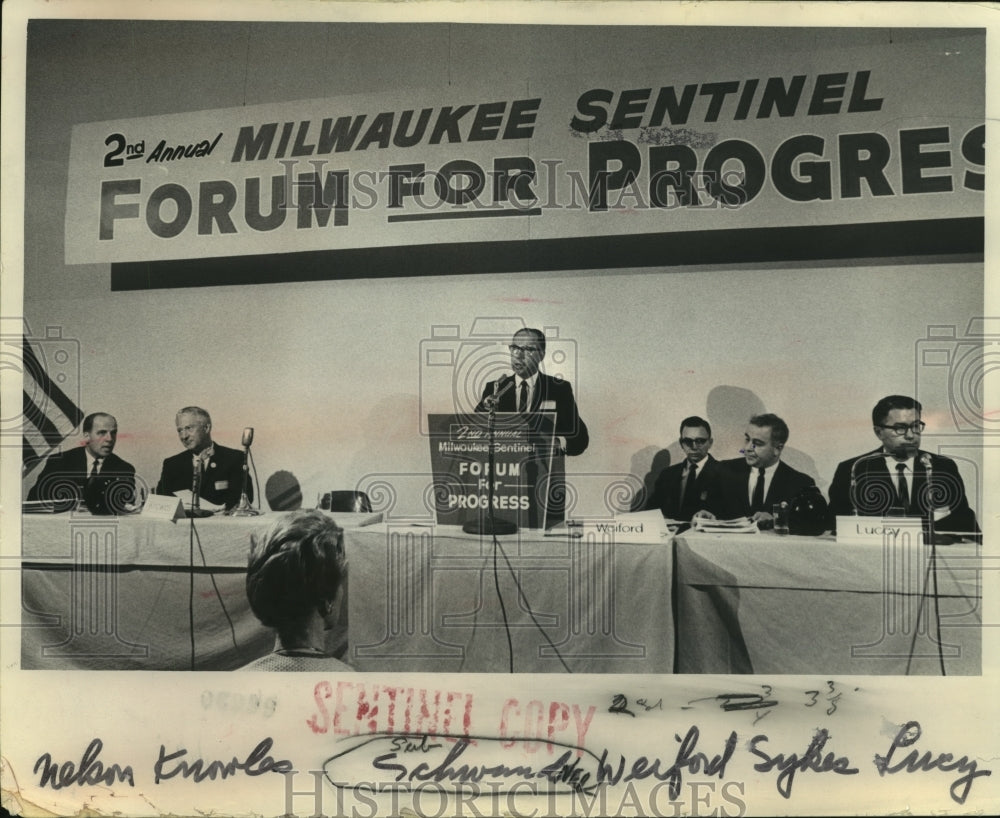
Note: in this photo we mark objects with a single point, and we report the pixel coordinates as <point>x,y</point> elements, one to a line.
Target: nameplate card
<point>645,527</point>
<point>880,530</point>
<point>161,507</point>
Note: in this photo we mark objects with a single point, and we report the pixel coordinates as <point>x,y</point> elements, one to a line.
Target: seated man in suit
<point>684,488</point>
<point>529,390</point>
<point>898,478</point>
<point>91,473</point>
<point>216,471</point>
<point>753,484</point>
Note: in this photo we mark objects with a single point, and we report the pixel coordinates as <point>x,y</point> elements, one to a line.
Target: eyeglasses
<point>515,349</point>
<point>901,429</point>
<point>691,442</point>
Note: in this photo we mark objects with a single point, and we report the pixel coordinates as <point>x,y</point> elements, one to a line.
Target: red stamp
<point>354,708</point>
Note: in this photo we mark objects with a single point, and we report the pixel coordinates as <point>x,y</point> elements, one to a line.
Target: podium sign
<point>529,478</point>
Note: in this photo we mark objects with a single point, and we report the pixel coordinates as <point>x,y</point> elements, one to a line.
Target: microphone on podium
<point>492,401</point>
<point>487,522</point>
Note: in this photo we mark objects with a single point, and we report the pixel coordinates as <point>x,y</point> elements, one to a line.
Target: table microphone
<point>244,509</point>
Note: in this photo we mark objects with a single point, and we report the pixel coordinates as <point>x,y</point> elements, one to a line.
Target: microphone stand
<point>484,524</point>
<point>925,459</point>
<point>930,573</point>
<point>244,509</point>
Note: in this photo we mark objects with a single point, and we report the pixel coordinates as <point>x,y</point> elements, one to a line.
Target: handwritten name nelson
<point>92,770</point>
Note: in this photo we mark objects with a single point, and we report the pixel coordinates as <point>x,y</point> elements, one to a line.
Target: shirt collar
<point>699,465</point>
<point>767,469</point>
<point>891,462</point>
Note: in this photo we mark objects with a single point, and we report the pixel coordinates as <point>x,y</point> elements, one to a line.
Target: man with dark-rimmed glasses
<point>899,479</point>
<point>690,485</point>
<point>528,391</point>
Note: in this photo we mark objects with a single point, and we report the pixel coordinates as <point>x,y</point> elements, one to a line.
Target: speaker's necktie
<point>522,398</point>
<point>902,490</point>
<point>757,503</point>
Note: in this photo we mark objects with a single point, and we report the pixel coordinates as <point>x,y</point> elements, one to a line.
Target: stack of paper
<point>741,525</point>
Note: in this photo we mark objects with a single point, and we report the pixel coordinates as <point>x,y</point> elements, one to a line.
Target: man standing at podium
<point>216,471</point>
<point>528,391</point>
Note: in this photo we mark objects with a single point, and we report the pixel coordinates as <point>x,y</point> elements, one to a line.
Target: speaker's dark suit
<point>65,478</point>
<point>221,480</point>
<point>568,422</point>
<point>734,479</point>
<point>875,492</point>
<point>666,494</point>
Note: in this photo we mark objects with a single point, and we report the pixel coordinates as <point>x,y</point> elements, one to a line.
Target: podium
<point>530,476</point>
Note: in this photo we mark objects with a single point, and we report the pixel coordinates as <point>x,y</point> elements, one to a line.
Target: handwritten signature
<point>91,770</point>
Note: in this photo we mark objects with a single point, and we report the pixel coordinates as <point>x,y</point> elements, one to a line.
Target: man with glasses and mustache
<point>528,390</point>
<point>898,479</point>
<point>691,485</point>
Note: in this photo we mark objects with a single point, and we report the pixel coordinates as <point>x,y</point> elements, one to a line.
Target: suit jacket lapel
<point>776,487</point>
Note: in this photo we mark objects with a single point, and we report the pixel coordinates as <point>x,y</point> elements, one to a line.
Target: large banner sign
<point>669,148</point>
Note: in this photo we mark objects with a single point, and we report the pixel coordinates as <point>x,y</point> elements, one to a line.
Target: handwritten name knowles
<point>92,770</point>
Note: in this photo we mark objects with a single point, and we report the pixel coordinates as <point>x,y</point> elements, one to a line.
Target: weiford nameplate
<point>528,472</point>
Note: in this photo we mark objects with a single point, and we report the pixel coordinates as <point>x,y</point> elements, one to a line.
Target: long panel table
<point>116,593</point>
<point>120,593</point>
